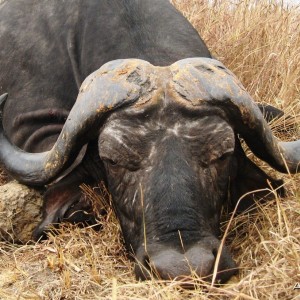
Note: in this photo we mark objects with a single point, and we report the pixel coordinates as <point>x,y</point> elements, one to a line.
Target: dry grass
<point>260,42</point>
<point>3,177</point>
<point>257,40</point>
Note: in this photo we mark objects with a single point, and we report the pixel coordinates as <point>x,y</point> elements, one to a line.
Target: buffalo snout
<point>168,263</point>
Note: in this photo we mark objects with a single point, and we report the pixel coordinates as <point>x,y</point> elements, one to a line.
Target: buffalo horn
<point>104,90</point>
<point>209,81</point>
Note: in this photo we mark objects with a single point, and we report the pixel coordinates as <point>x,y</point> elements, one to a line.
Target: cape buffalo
<point>159,123</point>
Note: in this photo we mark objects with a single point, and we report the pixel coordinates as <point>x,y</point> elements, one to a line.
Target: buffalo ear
<point>270,112</point>
<point>249,177</point>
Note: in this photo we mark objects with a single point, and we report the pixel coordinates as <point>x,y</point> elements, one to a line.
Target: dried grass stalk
<point>260,42</point>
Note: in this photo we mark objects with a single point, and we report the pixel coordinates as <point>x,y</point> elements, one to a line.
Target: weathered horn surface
<point>196,81</point>
<point>207,81</point>
<point>117,83</point>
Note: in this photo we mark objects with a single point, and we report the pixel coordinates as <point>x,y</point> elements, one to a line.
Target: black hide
<point>170,166</point>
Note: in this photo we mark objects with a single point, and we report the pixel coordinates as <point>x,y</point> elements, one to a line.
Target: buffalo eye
<point>110,161</point>
<point>223,157</point>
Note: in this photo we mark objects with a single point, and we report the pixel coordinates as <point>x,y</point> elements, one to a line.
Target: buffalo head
<point>169,148</point>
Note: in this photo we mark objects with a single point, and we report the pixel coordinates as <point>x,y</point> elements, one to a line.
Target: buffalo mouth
<point>197,262</point>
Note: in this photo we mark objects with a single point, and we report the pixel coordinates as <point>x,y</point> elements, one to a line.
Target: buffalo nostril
<point>199,261</point>
<point>226,266</point>
<point>171,264</point>
<point>142,268</point>
<point>215,252</point>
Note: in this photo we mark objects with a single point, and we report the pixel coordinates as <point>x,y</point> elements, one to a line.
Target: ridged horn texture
<point>207,81</point>
<point>112,86</point>
<point>195,81</point>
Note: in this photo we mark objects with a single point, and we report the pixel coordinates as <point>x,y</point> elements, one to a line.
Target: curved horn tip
<point>291,154</point>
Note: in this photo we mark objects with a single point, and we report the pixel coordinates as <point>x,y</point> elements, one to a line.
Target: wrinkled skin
<point>169,172</point>
<point>169,169</point>
<point>169,180</point>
